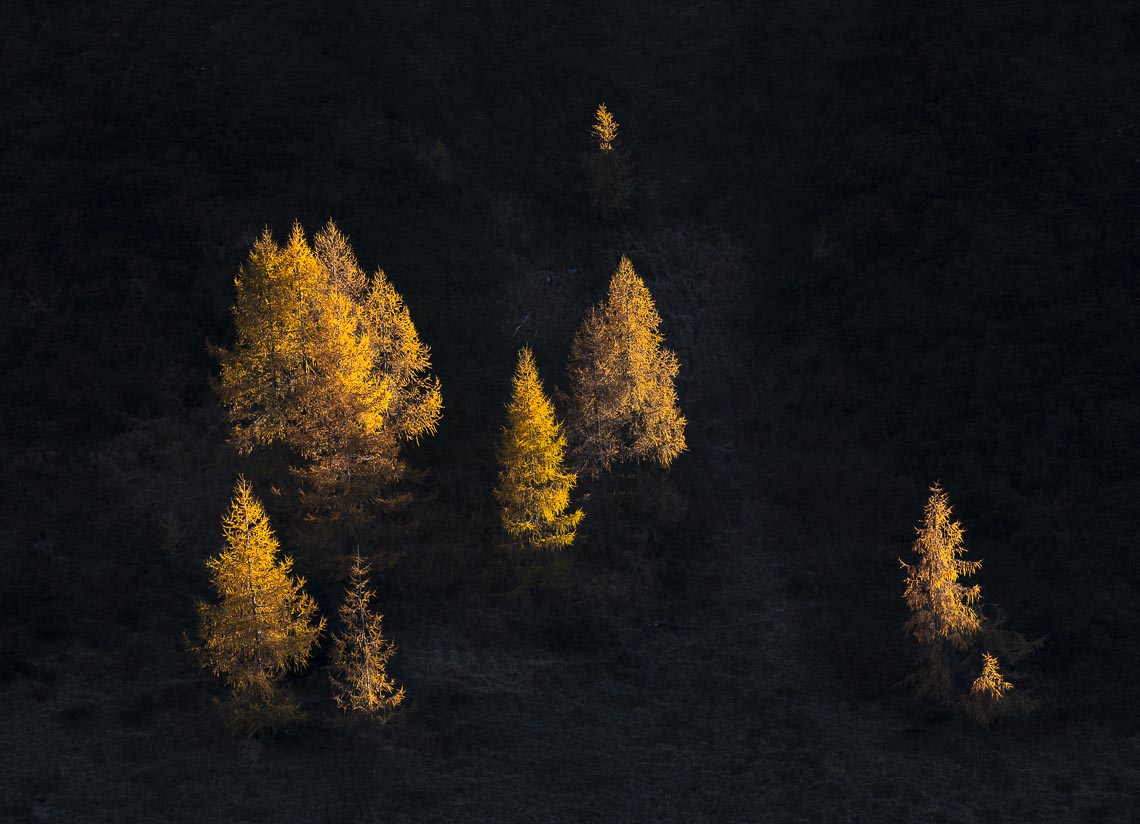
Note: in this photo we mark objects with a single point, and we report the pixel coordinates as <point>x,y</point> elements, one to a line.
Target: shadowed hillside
<point>890,242</point>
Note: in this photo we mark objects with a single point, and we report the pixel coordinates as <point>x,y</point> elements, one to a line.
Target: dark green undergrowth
<point>891,242</point>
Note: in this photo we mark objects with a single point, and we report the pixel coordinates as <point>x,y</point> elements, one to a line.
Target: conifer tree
<point>622,394</point>
<point>605,129</point>
<point>611,179</point>
<point>533,488</point>
<point>955,635</point>
<point>416,402</point>
<point>263,623</point>
<point>359,675</point>
<point>944,618</point>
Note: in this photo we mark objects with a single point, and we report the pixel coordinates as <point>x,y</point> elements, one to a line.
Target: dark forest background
<point>892,243</point>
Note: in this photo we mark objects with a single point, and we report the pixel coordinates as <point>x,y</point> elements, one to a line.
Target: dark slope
<point>892,242</point>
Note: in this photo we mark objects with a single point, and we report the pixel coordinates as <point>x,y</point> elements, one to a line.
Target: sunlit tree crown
<point>942,609</point>
<point>400,355</point>
<point>339,262</point>
<point>533,488</point>
<point>991,697</point>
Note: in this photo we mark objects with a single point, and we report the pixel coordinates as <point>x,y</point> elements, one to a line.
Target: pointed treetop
<point>605,129</point>
<point>339,261</point>
<point>533,488</point>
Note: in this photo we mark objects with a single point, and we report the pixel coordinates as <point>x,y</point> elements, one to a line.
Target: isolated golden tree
<point>944,618</point>
<point>623,399</point>
<point>359,675</point>
<point>611,176</point>
<point>262,625</point>
<point>954,634</point>
<point>533,489</point>
<point>327,362</point>
<point>605,129</point>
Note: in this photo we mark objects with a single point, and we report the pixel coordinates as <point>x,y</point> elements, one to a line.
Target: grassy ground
<point>892,242</point>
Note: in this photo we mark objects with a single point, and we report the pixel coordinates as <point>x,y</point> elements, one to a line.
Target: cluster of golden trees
<point>622,407</point>
<point>961,646</point>
<point>328,366</point>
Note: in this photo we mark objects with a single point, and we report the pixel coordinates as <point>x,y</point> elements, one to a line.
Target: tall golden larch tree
<point>622,393</point>
<point>955,636</point>
<point>262,624</point>
<point>534,489</point>
<point>359,676</point>
<point>944,617</point>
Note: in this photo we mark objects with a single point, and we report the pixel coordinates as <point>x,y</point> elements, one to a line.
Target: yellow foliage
<point>326,361</point>
<point>944,618</point>
<point>339,262</point>
<point>611,179</point>
<point>990,682</point>
<point>263,623</point>
<point>417,402</point>
<point>605,129</point>
<point>533,488</point>
<point>991,696</point>
<point>360,656</point>
<point>948,622</point>
<point>622,381</point>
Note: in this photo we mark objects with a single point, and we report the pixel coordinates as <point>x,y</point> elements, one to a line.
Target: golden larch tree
<point>263,623</point>
<point>959,643</point>
<point>359,675</point>
<point>605,129</point>
<point>611,176</point>
<point>623,398</point>
<point>944,616</point>
<point>534,489</point>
